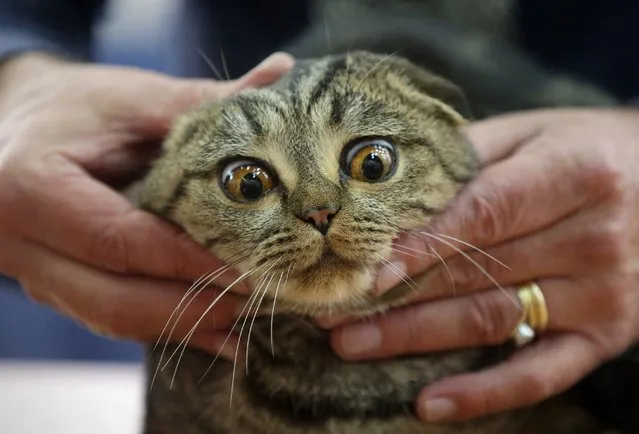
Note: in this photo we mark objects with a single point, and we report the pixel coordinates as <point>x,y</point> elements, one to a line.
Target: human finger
<point>510,199</point>
<point>521,259</point>
<point>116,305</point>
<point>87,221</point>
<point>535,373</point>
<point>482,319</point>
<point>165,98</point>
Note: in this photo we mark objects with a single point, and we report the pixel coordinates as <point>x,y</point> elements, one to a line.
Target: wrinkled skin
<point>70,135</point>
<point>557,201</point>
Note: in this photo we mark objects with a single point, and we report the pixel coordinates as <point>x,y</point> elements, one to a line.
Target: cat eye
<point>246,181</point>
<point>370,160</point>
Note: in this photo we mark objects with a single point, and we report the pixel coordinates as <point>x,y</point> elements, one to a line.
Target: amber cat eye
<point>370,160</point>
<point>246,181</point>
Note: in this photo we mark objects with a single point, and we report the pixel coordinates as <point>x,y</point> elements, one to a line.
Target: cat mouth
<point>329,260</point>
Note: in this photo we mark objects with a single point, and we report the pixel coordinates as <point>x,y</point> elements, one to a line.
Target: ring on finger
<point>534,314</point>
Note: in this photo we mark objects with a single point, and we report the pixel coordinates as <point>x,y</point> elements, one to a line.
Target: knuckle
<point>110,249</point>
<point>609,241</point>
<point>486,212</point>
<point>473,275</point>
<point>537,387</point>
<point>109,319</point>
<point>402,332</point>
<point>487,318</point>
<point>604,174</point>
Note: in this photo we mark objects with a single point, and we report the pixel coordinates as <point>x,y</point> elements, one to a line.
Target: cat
<point>303,186</point>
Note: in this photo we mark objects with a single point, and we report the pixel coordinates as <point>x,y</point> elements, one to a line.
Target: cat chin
<point>322,290</point>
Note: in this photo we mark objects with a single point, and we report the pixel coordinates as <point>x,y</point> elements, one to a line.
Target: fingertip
<point>278,61</point>
<point>437,409</point>
<point>447,401</point>
<point>268,71</point>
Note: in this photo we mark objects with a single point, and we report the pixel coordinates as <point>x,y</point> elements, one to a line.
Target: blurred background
<point>32,332</point>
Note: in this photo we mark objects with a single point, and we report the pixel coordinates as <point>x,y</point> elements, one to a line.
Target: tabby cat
<point>304,185</point>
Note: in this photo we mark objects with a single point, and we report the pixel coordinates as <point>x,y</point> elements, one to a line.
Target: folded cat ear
<point>433,85</point>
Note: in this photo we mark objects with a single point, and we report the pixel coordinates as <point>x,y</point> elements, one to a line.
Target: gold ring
<point>533,304</point>
<point>534,314</point>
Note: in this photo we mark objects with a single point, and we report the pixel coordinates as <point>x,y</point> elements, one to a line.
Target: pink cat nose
<point>321,218</point>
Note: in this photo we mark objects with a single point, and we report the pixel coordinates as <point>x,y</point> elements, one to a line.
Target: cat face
<point>304,185</point>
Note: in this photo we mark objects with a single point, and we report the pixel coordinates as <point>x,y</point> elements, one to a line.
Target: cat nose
<point>321,217</point>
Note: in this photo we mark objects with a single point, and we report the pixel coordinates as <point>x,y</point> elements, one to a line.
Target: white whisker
<point>254,297</point>
<point>452,281</point>
<point>257,310</point>
<point>224,66</point>
<point>233,327</point>
<point>202,283</point>
<point>410,249</point>
<point>475,263</point>
<point>183,343</point>
<point>477,249</point>
<point>210,64</point>
<point>377,65</point>
<point>328,36</point>
<point>422,256</point>
<point>274,301</point>
<point>193,288</point>
<point>399,273</point>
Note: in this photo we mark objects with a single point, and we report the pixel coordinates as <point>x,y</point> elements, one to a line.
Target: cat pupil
<point>251,186</point>
<point>373,167</point>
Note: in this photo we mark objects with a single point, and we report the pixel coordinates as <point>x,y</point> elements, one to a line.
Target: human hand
<point>70,134</point>
<point>557,202</point>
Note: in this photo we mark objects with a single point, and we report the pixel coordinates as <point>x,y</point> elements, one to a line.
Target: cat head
<point>304,185</point>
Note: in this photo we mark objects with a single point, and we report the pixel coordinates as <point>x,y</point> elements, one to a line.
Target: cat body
<point>304,186</point>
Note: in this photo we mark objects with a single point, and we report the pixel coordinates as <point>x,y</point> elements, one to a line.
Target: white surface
<point>71,398</point>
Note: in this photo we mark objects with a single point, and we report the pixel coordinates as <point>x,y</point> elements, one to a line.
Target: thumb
<point>192,93</point>
<point>171,97</point>
<point>497,138</point>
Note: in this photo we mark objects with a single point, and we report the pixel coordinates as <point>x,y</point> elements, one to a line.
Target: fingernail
<point>439,409</point>
<point>360,339</point>
<point>277,60</point>
<point>390,275</point>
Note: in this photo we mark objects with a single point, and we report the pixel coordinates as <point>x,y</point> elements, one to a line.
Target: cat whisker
<point>477,249</point>
<point>277,289</point>
<point>399,273</point>
<point>210,64</point>
<point>193,288</point>
<point>183,343</point>
<point>257,310</point>
<point>421,256</point>
<point>246,309</point>
<point>410,249</point>
<point>224,65</point>
<point>202,282</point>
<point>450,275</point>
<point>475,263</point>
<point>373,68</point>
<point>328,36</point>
<point>254,298</point>
<point>233,327</point>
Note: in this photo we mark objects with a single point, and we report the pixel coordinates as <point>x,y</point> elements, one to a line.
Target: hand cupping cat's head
<point>305,184</point>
